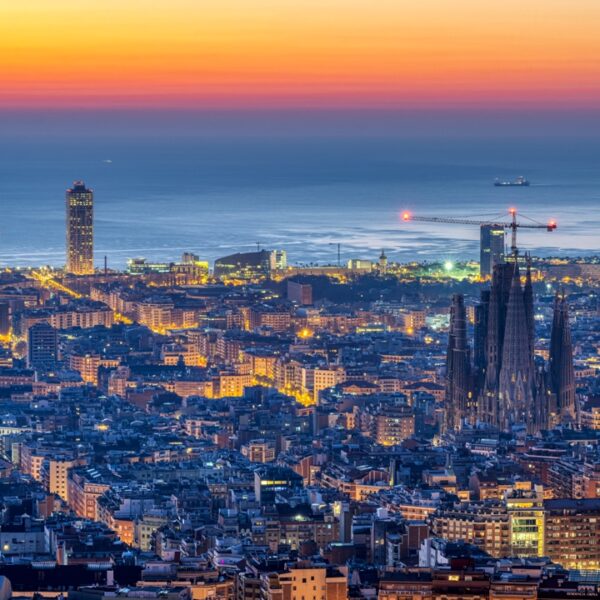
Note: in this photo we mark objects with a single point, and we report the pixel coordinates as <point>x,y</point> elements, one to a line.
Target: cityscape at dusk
<point>300,300</point>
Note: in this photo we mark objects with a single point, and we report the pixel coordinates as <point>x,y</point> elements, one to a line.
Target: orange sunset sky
<point>323,53</point>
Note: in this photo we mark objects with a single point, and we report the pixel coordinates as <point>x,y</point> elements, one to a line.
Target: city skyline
<point>493,240</point>
<point>300,300</point>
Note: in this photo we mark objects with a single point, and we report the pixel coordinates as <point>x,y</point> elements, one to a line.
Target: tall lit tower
<point>491,248</point>
<point>80,229</point>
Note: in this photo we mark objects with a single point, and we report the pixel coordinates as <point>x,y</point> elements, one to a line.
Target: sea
<point>160,191</point>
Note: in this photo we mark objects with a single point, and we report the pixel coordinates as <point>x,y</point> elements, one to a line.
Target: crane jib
<point>513,224</point>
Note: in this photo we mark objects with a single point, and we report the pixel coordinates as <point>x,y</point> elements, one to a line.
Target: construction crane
<point>513,224</point>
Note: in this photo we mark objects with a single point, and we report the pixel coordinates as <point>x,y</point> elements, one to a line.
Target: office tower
<point>42,346</point>
<point>491,249</point>
<point>4,318</point>
<point>458,367</point>
<point>80,229</point>
<point>562,374</point>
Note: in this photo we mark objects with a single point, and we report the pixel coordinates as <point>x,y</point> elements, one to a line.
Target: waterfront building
<point>80,229</point>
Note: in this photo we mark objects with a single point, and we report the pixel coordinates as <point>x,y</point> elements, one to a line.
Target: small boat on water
<point>518,182</point>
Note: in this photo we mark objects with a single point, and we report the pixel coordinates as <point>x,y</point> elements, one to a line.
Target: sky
<point>519,55</point>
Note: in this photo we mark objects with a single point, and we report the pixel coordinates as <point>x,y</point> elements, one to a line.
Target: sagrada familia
<point>500,384</point>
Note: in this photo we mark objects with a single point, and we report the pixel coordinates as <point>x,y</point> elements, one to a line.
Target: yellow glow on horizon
<point>252,52</point>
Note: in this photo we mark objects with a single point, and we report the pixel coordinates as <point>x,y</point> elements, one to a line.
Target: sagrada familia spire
<point>516,385</point>
<point>562,374</point>
<point>503,387</point>
<point>459,385</point>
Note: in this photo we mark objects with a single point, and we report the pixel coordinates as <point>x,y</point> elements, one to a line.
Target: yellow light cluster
<point>48,281</point>
<point>119,318</point>
<point>301,396</point>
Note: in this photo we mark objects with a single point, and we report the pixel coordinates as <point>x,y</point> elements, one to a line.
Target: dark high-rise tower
<point>491,250</point>
<point>458,368</point>
<point>4,318</point>
<point>80,229</point>
<point>42,346</point>
<point>562,373</point>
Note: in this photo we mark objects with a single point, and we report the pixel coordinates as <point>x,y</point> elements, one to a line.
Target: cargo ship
<point>518,182</point>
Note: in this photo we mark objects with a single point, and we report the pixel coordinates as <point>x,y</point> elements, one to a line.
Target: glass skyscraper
<point>491,249</point>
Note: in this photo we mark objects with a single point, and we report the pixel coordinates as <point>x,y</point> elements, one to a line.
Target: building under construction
<point>500,383</point>
<point>503,386</point>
